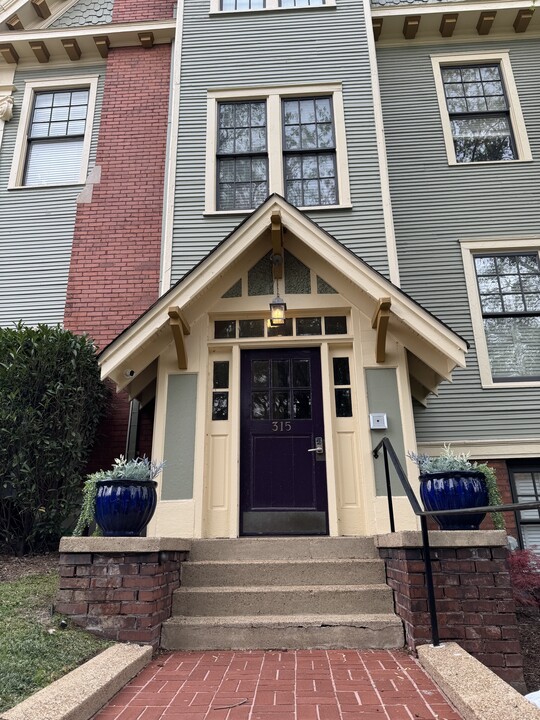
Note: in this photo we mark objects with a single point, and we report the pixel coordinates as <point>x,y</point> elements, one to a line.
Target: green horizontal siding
<point>283,47</point>
<point>37,224</point>
<point>436,205</point>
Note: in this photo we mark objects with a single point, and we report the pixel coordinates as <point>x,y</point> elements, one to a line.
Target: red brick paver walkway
<point>293,685</point>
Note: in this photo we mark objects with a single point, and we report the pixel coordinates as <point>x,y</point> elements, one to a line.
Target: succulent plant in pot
<point>122,500</point>
<point>452,482</point>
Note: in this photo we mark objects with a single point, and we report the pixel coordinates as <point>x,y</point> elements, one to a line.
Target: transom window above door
<point>285,140</point>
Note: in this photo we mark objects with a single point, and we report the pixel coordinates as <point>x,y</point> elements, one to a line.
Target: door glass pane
<point>259,406</point>
<point>308,326</point>
<point>221,374</point>
<point>302,404</point>
<point>280,373</point>
<point>301,375</point>
<point>343,402</point>
<point>260,373</point>
<point>341,371</point>
<point>280,405</point>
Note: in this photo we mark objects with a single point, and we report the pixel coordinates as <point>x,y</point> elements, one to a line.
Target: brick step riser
<point>313,600</point>
<point>213,637</point>
<point>338,572</point>
<point>305,548</point>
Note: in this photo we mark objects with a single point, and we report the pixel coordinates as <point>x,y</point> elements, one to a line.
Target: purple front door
<point>282,467</point>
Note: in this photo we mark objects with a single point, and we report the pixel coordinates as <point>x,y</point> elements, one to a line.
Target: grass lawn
<point>30,655</point>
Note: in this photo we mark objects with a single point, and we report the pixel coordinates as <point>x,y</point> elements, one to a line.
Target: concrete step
<point>224,573</point>
<point>283,600</point>
<point>275,632</point>
<point>284,548</point>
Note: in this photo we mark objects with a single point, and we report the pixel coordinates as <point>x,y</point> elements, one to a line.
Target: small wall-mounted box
<point>378,421</point>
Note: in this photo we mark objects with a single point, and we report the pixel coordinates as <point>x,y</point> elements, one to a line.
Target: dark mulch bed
<point>529,633</point>
<point>14,568</point>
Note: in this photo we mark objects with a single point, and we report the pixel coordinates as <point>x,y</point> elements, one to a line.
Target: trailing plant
<point>449,461</point>
<point>138,469</point>
<point>51,401</point>
<point>524,567</point>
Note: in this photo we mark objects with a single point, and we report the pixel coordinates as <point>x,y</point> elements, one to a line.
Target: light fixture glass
<point>277,309</point>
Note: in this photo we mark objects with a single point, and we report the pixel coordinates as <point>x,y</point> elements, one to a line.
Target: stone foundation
<point>120,588</point>
<point>475,607</point>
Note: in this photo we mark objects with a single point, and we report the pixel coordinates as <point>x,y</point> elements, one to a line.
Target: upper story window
<point>56,137</point>
<point>276,140</point>
<point>53,139</point>
<point>309,148</point>
<point>246,5</point>
<point>480,111</point>
<point>509,290</point>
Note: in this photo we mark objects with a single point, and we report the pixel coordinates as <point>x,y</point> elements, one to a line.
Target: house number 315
<point>281,426</point>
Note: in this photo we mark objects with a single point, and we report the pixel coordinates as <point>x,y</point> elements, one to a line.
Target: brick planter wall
<point>123,596</point>
<point>475,607</point>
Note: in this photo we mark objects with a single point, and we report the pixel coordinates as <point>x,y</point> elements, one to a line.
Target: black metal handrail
<point>389,452</point>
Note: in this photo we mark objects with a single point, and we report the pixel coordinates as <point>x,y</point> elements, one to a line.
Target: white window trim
<point>273,96</point>
<point>516,116</point>
<point>21,143</point>
<point>470,248</point>
<point>271,5</point>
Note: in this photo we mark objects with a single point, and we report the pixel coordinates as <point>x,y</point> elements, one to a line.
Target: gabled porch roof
<point>434,349</point>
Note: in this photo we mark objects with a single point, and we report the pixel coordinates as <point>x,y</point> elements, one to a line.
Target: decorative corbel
<point>180,328</point>
<point>277,245</point>
<point>380,323</point>
<point>6,108</point>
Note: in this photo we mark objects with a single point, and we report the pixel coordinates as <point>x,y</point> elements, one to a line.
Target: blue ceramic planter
<point>455,490</point>
<point>125,507</point>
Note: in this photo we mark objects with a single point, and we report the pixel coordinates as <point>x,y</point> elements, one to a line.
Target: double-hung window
<point>309,149</point>
<point>525,480</point>
<point>480,111</point>
<point>242,164</point>
<point>276,140</point>
<point>509,292</point>
<point>54,134</point>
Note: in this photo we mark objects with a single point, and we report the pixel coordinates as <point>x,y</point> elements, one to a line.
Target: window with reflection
<point>220,387</point>
<point>242,155</point>
<point>479,113</point>
<point>309,148</point>
<point>509,290</point>
<point>342,386</point>
<point>281,389</point>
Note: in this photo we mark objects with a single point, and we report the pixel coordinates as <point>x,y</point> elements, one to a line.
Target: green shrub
<point>51,401</point>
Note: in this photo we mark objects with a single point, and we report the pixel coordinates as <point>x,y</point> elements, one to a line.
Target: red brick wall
<point>135,10</point>
<point>115,262</point>
<point>475,606</point>
<point>123,597</point>
<point>114,272</point>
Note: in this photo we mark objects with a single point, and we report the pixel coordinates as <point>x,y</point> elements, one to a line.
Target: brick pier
<point>475,606</point>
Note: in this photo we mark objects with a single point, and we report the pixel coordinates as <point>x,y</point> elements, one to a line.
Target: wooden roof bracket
<point>277,245</point>
<point>379,322</point>
<point>180,329</point>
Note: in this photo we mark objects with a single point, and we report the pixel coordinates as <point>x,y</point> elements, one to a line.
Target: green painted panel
<point>179,437</point>
<point>382,391</point>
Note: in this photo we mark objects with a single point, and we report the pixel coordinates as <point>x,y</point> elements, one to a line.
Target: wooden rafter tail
<point>180,328</point>
<point>8,52</point>
<point>379,322</point>
<point>41,8</point>
<point>377,27</point>
<point>103,44</point>
<point>485,21</point>
<point>71,46</point>
<point>41,51</point>
<point>448,24</point>
<point>14,23</point>
<point>277,245</point>
<point>410,26</point>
